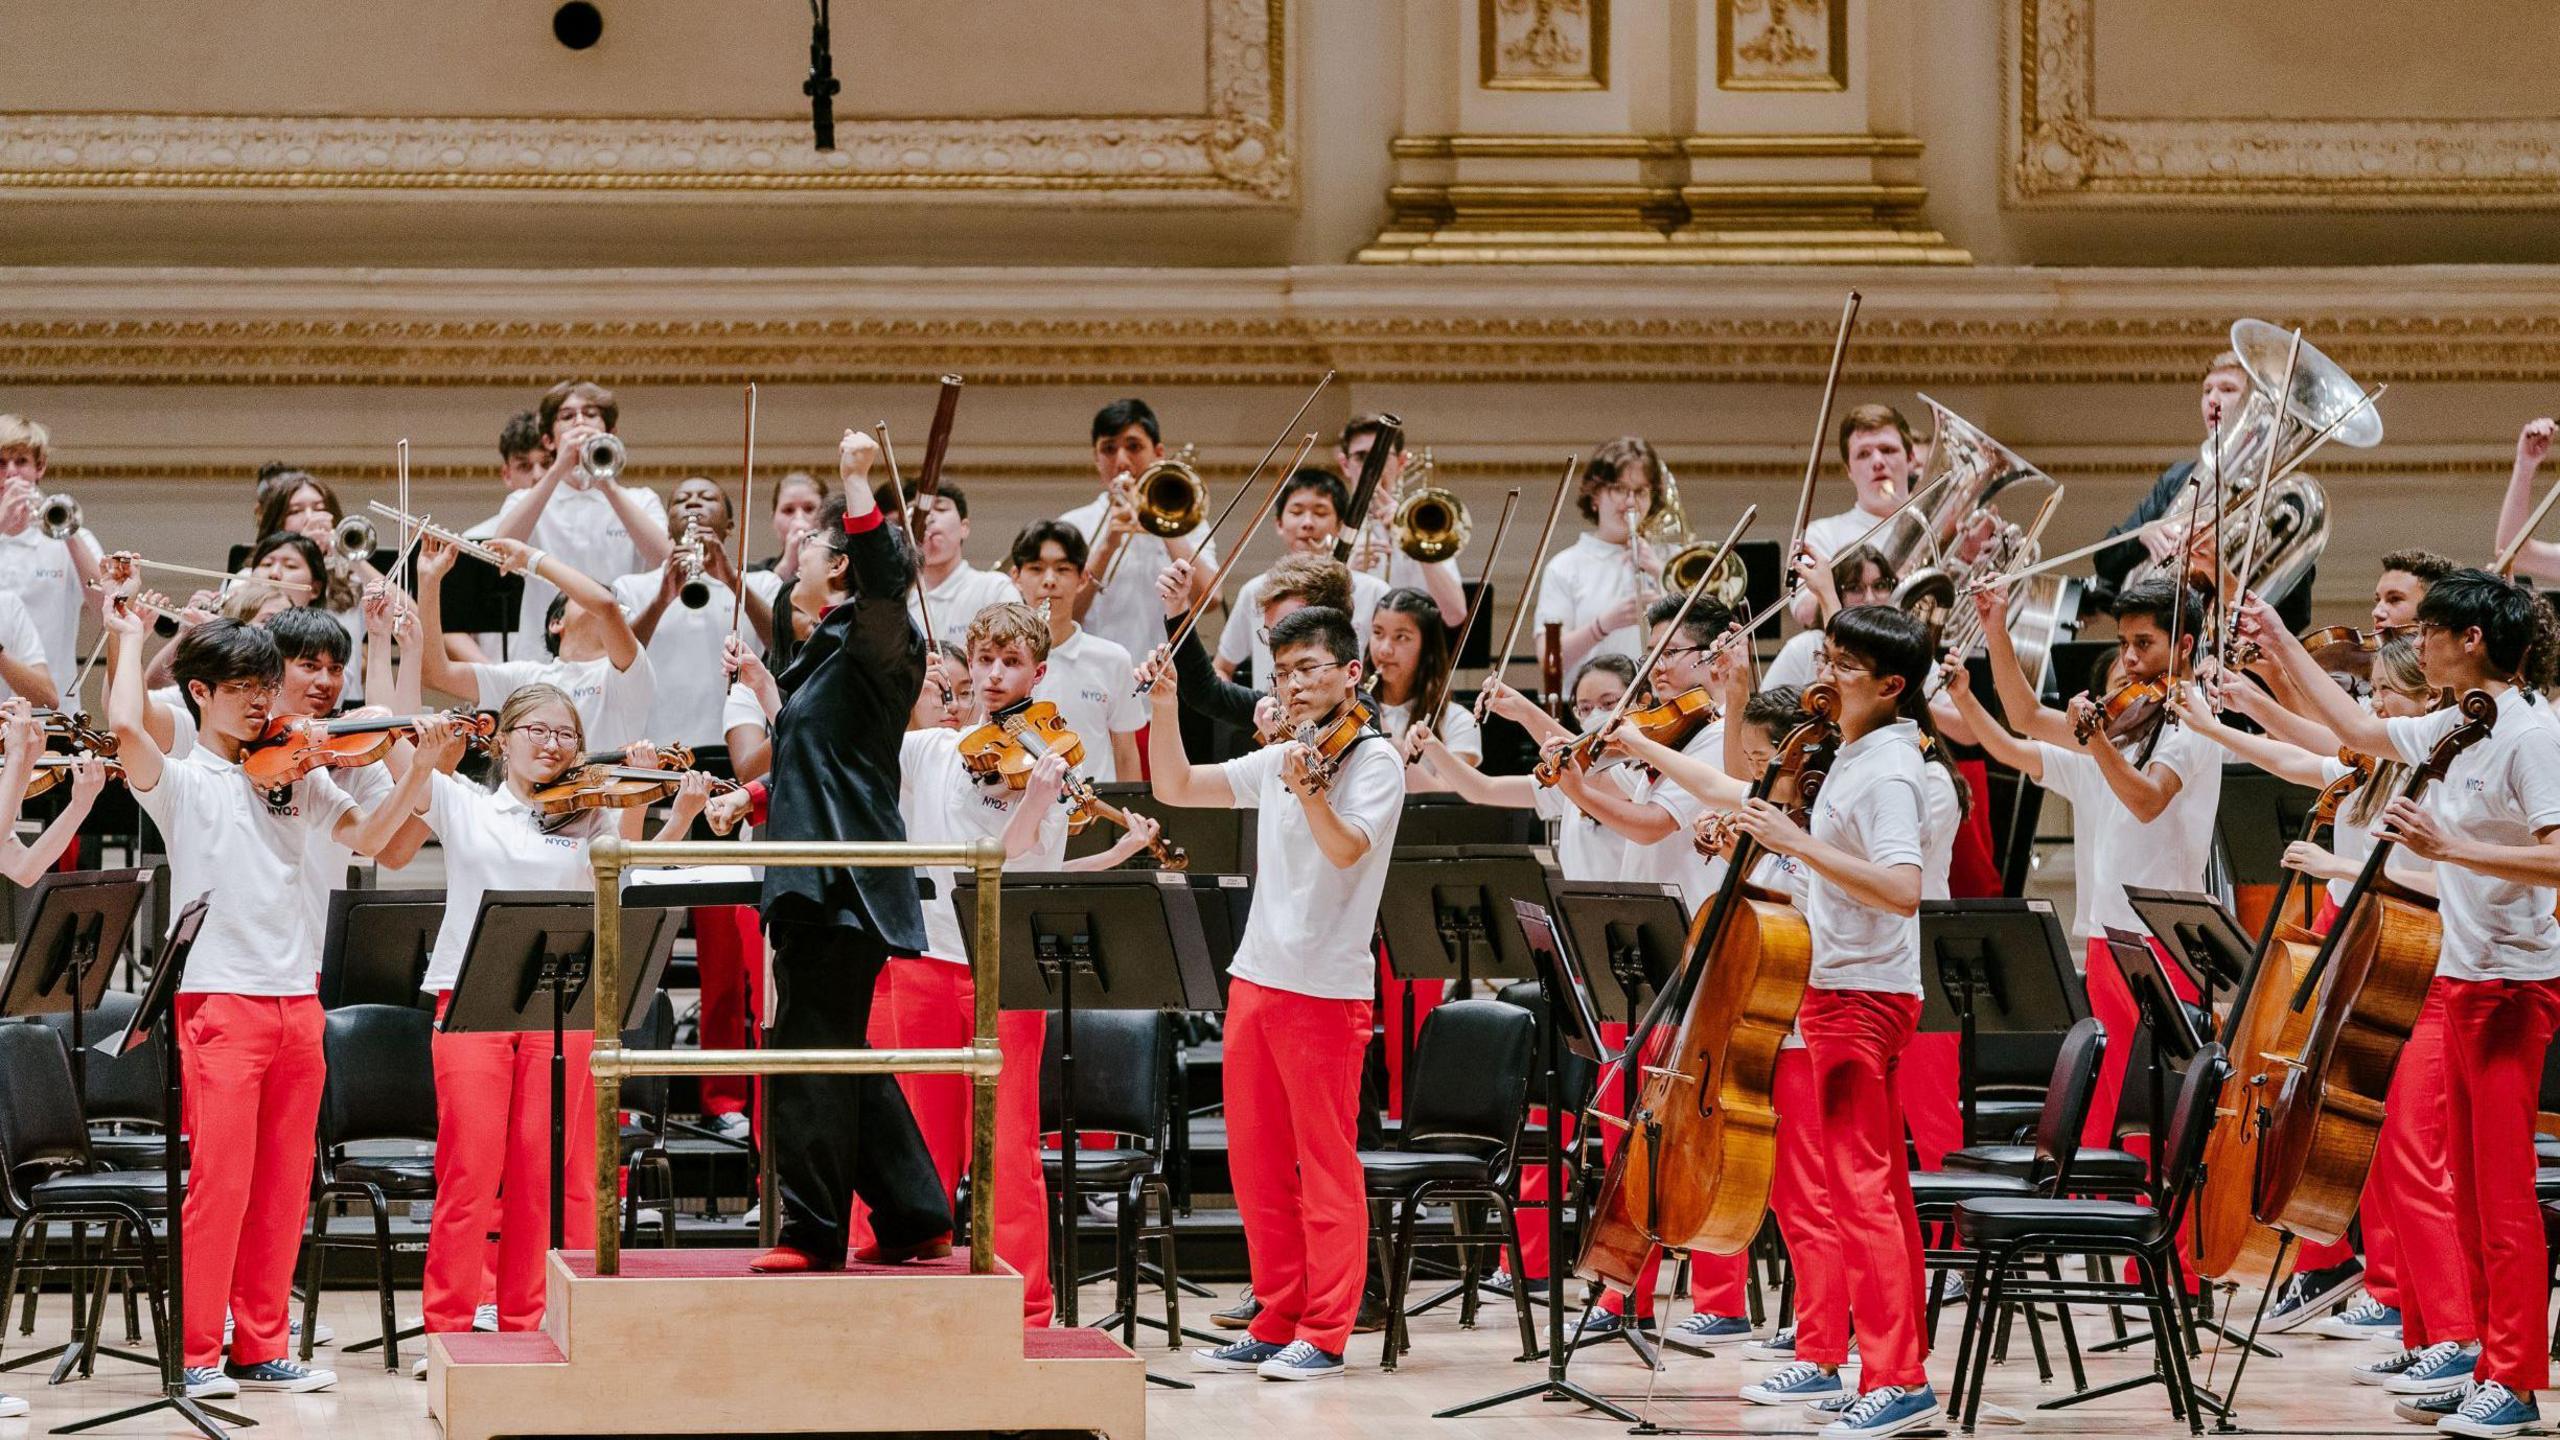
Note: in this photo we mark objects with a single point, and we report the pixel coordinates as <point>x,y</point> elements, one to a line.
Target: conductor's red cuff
<point>859,524</point>
<point>759,801</point>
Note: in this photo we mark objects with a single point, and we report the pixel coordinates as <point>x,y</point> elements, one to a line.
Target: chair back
<point>2067,1098</point>
<point>1124,1068</point>
<point>41,1130</point>
<point>647,1096</point>
<point>1467,1090</point>
<point>382,1075</point>
<point>121,1089</point>
<point>2190,1125</point>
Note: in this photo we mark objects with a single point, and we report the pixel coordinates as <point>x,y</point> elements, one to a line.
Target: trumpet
<point>425,525</point>
<point>1430,523</point>
<point>58,516</point>
<point>356,537</point>
<point>696,591</point>
<point>601,457</point>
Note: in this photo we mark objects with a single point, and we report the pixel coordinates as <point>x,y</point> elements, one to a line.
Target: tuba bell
<point>58,516</point>
<point>1668,528</point>
<point>1431,524</point>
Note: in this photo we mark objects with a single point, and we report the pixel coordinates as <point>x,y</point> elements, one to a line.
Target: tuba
<point>2288,527</point>
<point>1977,470</point>
<point>1667,528</point>
<point>1430,524</point>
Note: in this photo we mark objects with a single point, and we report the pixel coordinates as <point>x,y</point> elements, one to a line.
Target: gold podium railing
<point>612,1063</point>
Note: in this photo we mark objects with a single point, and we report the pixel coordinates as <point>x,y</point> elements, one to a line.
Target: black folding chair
<point>381,1087</point>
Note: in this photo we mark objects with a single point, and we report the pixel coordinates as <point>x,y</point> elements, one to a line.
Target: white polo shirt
<point>686,661</point>
<point>2111,850</point>
<point>1674,859</point>
<point>958,599</point>
<point>1241,640</point>
<point>1311,927</point>
<point>2499,792</point>
<point>1938,838</point>
<point>1581,583</point>
<point>261,934</point>
<point>580,527</point>
<point>20,637</point>
<point>1832,534</point>
<point>1128,611</point>
<point>39,572</point>
<point>1089,680</point>
<point>1796,661</point>
<point>741,707</point>
<point>1873,805</point>
<point>1457,728</point>
<point>2352,842</point>
<point>324,860</point>
<point>613,705</point>
<point>495,841</point>
<point>1585,848</point>
<point>944,804</point>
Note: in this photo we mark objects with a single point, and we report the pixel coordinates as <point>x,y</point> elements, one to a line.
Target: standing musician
<point>22,738</point>
<point>50,577</point>
<point>1308,514</point>
<point>593,654</point>
<point>1877,451</point>
<point>493,1130</point>
<point>2492,828</point>
<point>835,777</point>
<point>685,641</point>
<point>949,591</point>
<point>599,528</point>
<point>1298,1009</point>
<point>1296,582</point>
<point>1859,576</point>
<point>1408,654</point>
<point>930,997</point>
<point>1087,676</point>
<point>1127,441</point>
<point>1597,587</point>
<point>1438,579</point>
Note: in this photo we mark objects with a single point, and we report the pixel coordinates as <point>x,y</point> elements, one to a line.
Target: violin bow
<point>1697,587</point>
<point>1475,611</point>
<point>738,522</point>
<point>1822,426</point>
<point>1537,571</point>
<point>1200,606</point>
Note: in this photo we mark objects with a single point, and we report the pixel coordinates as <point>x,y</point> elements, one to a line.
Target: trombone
<point>1430,524</point>
<point>1170,500</point>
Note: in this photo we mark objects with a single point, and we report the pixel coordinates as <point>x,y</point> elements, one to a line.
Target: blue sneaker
<point>1695,1333</point>
<point>1780,1346</point>
<point>207,1382</point>
<point>281,1375</point>
<point>1801,1383</point>
<point>1240,1356</point>
<point>2492,1411</point>
<point>1301,1361</point>
<point>2431,1410</point>
<point>1885,1410</point>
<point>1601,1325</point>
<point>2445,1365</point>
<point>2367,1319</point>
<point>2388,1368</point>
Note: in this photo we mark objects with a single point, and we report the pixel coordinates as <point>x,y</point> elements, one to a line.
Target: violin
<point>292,746</point>
<point>613,787</point>
<point>2354,1006</point>
<point>1332,737</point>
<point>1009,746</point>
<point>1696,1167</point>
<point>2344,649</point>
<point>1671,723</point>
<point>52,769</point>
<point>2130,710</point>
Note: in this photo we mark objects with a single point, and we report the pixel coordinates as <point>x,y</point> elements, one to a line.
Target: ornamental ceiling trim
<point>1238,152</point>
<point>2064,154</point>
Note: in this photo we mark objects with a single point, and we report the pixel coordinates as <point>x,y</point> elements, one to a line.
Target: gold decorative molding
<point>2064,152</point>
<point>1782,44</point>
<point>1238,152</point>
<point>1543,44</point>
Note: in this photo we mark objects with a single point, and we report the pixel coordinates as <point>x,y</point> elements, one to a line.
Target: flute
<point>425,525</point>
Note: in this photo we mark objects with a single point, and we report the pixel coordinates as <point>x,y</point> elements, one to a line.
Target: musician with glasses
<point>1597,588</point>
<point>592,653</point>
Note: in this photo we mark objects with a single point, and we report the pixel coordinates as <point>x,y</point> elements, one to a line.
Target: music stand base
<point>207,1419</point>
<point>1553,1387</point>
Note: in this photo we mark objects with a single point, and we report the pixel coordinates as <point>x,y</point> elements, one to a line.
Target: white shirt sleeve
<point>18,634</point>
<point>1889,814</point>
<point>1246,773</point>
<point>1555,595</point>
<point>1235,642</point>
<point>502,678</point>
<point>2537,777</point>
<point>1368,792</point>
<point>2068,773</point>
<point>2188,755</point>
<point>2415,735</point>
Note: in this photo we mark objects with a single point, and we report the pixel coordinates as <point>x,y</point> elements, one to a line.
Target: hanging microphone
<point>821,86</point>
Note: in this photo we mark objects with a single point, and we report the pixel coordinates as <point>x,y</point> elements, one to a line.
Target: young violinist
<point>1298,1011</point>
<point>1308,516</point>
<point>493,1130</point>
<point>2491,827</point>
<point>593,655</point>
<point>598,528</point>
<point>24,742</point>
<point>1293,583</point>
<point>2281,711</point>
<point>2142,805</point>
<point>1859,576</point>
<point>1597,587</point>
<point>249,1021</point>
<point>2410,1190</point>
<point>1087,676</point>
<point>1409,655</point>
<point>1585,848</point>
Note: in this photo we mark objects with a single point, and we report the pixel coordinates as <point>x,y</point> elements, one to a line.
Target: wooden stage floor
<point>2307,1392</point>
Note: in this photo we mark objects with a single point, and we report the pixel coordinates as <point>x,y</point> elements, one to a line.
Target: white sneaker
<point>11,1407</point>
<point>485,1318</point>
<point>733,1126</point>
<point>419,1370</point>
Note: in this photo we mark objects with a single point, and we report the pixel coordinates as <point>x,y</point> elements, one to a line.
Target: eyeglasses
<point>1292,674</point>
<point>251,689</point>
<point>1828,660</point>
<point>1685,650</point>
<point>547,734</point>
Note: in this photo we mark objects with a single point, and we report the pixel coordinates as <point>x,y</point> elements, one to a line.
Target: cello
<point>2358,1001</point>
<point>2229,1239</point>
<point>1695,1170</point>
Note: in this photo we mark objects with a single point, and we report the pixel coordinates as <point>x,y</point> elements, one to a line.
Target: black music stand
<point>477,598</point>
<point>76,923</point>
<point>2259,815</point>
<point>1445,915</point>
<point>526,970</point>
<point>2199,934</point>
<point>1226,904</point>
<point>157,1014</point>
<point>1110,940</point>
<point>1218,841</point>
<point>1626,937</point>
<point>1999,967</point>
<point>1571,1021</point>
<point>377,946</point>
<point>1433,820</point>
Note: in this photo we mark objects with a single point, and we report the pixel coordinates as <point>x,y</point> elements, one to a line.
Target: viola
<point>292,746</point>
<point>1697,1164</point>
<point>1009,746</point>
<point>613,787</point>
<point>2356,1003</point>
<point>1671,723</point>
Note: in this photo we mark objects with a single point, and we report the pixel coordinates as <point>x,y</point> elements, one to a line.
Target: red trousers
<point>1403,1003</point>
<point>728,948</point>
<point>2496,1034</point>
<point>1800,1194</point>
<point>1853,1045</point>
<point>1293,1100</point>
<point>1933,1096</point>
<point>493,1172</point>
<point>2113,1005</point>
<point>2409,1205</point>
<point>1973,871</point>
<point>252,1068</point>
<point>932,1005</point>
